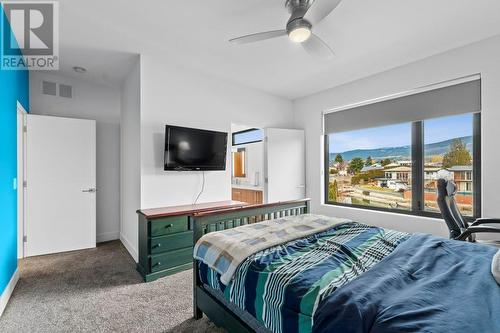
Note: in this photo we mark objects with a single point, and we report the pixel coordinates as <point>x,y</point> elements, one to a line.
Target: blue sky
<point>435,130</point>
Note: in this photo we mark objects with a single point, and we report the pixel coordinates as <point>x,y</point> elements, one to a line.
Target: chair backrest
<point>446,190</point>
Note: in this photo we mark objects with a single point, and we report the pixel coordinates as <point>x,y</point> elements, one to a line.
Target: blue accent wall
<point>13,88</point>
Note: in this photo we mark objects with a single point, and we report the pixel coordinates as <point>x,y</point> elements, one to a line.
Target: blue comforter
<point>427,284</point>
<point>281,286</point>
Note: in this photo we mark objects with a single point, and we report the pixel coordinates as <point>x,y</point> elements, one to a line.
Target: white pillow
<point>495,267</point>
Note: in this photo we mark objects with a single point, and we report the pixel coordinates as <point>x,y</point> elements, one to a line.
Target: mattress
<point>428,284</point>
<point>281,287</point>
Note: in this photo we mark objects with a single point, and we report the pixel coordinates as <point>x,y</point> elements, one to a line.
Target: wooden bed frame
<point>203,223</point>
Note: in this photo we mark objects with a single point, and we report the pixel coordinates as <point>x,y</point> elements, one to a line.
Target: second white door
<point>285,164</point>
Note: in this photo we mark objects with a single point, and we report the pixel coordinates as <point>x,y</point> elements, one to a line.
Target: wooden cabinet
<point>166,237</point>
<point>236,194</point>
<point>249,196</point>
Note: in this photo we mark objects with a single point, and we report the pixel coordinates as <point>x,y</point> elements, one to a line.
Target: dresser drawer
<point>168,225</point>
<point>171,259</point>
<point>171,242</point>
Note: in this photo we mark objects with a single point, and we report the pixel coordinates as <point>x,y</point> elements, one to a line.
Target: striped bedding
<point>224,251</point>
<point>282,286</point>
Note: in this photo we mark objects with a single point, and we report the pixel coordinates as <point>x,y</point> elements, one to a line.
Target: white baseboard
<point>130,248</point>
<point>107,236</point>
<point>4,299</point>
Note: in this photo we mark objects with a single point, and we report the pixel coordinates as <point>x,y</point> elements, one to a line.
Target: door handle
<point>90,190</point>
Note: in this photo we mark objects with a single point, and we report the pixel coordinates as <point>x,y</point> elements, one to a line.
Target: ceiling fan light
<point>300,34</point>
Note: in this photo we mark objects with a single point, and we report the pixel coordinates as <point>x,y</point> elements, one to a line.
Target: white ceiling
<point>367,36</point>
<point>103,66</point>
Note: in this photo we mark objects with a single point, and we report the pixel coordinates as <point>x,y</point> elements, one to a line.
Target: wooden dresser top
<point>153,213</point>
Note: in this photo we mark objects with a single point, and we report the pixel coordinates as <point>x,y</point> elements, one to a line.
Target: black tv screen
<point>188,149</point>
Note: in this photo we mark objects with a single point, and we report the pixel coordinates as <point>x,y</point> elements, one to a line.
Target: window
<point>388,154</point>
<point>449,150</point>
<point>370,167</point>
<point>396,167</point>
<point>247,136</point>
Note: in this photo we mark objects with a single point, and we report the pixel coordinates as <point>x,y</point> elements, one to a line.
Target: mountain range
<point>403,152</point>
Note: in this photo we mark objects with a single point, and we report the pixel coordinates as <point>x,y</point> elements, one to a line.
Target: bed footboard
<point>206,222</point>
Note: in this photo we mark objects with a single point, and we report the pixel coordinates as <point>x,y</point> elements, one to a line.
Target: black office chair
<point>459,228</point>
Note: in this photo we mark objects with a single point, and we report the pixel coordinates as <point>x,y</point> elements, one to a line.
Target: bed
<point>320,274</point>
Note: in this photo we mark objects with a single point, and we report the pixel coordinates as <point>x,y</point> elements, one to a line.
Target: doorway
<point>247,167</point>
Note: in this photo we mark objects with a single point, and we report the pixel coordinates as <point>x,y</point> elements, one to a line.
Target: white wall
<point>481,57</point>
<point>178,97</point>
<point>169,95</point>
<point>100,103</point>
<point>130,179</point>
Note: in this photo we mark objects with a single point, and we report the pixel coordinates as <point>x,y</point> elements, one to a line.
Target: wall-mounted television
<point>191,149</point>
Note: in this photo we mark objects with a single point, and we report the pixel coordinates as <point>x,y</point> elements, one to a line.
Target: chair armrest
<point>476,229</point>
<point>484,220</point>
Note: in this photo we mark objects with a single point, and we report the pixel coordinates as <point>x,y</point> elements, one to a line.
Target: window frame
<point>245,131</point>
<point>418,174</point>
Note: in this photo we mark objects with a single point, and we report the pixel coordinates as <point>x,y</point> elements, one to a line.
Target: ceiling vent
<point>52,89</point>
<point>65,91</point>
<point>49,88</point>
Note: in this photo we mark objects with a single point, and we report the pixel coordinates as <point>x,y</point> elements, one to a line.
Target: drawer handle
<point>169,226</point>
<point>157,264</point>
<point>156,246</point>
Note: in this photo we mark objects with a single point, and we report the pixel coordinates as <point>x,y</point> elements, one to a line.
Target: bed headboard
<point>210,221</point>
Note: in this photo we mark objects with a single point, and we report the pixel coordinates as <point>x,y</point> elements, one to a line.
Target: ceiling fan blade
<point>317,47</point>
<point>320,9</point>
<point>258,37</point>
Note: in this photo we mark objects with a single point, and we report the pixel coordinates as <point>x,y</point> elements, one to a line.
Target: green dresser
<point>166,237</point>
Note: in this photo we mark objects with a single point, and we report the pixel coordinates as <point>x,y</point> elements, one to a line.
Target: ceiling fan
<point>304,15</point>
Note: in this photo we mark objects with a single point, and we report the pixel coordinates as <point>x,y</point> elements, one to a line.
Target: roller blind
<point>451,100</point>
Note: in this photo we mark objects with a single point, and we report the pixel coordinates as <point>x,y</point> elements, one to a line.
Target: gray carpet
<point>98,290</point>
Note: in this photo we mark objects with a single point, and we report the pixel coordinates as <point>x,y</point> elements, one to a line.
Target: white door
<point>61,180</point>
<point>285,164</point>
<point>21,115</point>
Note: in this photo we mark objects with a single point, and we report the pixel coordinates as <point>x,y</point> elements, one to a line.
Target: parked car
<point>397,185</point>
